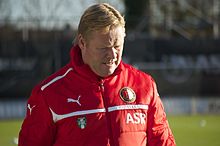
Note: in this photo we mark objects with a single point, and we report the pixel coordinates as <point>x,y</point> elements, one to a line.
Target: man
<point>96,99</point>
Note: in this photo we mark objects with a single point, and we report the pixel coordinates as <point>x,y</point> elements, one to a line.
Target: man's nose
<point>112,53</point>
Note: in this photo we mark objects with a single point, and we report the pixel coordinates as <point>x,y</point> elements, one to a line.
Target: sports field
<point>199,130</point>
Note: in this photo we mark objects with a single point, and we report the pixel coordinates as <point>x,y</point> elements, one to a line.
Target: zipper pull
<point>102,85</point>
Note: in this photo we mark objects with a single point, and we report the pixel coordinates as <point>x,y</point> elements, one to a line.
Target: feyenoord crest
<point>127,94</point>
<point>81,122</point>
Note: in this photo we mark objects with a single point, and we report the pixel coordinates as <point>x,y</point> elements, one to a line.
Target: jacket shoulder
<point>52,80</point>
<point>137,73</point>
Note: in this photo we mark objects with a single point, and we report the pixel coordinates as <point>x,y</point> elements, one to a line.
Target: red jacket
<point>75,107</point>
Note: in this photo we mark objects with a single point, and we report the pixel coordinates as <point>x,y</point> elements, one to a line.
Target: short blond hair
<point>99,17</point>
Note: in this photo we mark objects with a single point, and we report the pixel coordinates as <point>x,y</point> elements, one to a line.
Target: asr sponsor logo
<point>136,118</point>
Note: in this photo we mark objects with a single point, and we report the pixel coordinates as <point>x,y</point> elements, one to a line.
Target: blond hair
<point>99,17</point>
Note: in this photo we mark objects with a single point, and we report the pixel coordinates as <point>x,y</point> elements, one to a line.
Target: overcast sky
<point>48,13</point>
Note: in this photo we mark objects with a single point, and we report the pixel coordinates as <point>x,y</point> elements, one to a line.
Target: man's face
<point>103,51</point>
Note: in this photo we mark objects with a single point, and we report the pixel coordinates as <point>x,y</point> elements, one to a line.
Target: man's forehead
<point>111,37</point>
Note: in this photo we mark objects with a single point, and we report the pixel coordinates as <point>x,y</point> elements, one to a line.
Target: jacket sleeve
<point>38,128</point>
<point>159,132</point>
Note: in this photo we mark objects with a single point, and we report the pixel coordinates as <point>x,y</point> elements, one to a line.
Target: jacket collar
<point>83,69</point>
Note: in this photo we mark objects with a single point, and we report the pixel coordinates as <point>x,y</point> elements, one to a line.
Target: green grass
<point>9,130</point>
<point>199,130</point>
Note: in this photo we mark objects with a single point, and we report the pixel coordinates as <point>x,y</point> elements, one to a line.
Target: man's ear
<point>81,42</point>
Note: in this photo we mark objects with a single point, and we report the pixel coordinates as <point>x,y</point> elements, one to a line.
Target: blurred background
<point>176,41</point>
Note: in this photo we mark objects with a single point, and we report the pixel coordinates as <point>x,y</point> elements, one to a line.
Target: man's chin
<point>108,72</point>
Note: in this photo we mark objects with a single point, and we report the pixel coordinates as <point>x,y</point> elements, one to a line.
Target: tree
<point>5,11</point>
<point>135,10</point>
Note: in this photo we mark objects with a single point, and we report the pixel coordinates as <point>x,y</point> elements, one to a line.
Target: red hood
<point>83,69</point>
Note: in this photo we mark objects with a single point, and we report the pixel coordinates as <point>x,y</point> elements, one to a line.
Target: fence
<point>180,67</point>
<point>173,106</point>
<point>12,109</point>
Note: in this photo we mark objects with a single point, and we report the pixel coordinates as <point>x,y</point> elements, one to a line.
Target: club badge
<point>81,122</point>
<point>127,94</point>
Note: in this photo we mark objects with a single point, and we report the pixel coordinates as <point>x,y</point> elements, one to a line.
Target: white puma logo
<point>30,108</point>
<point>73,100</point>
